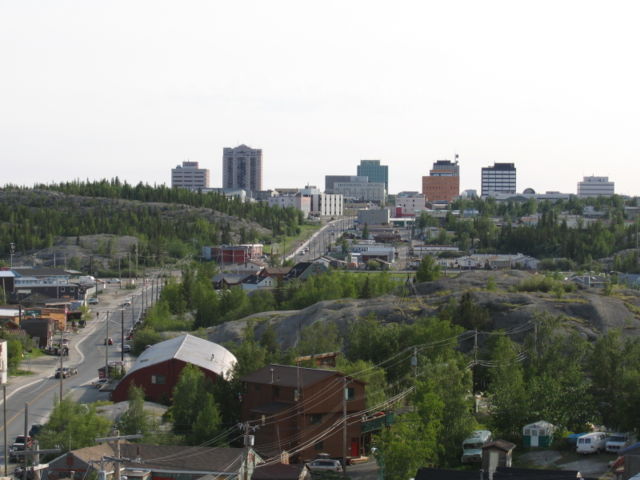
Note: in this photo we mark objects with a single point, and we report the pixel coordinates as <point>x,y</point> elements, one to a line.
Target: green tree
<point>507,388</point>
<point>428,270</point>
<point>187,399</point>
<point>407,446</point>
<point>135,419</point>
<point>207,422</point>
<point>73,425</point>
<point>319,337</point>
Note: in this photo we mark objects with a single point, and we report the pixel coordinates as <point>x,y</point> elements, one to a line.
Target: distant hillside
<point>586,311</point>
<point>37,220</point>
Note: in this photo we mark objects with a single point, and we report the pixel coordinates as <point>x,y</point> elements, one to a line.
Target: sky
<point>98,89</point>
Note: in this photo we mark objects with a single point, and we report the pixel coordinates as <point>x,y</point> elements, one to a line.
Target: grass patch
<point>18,372</point>
<point>632,308</point>
<point>287,243</point>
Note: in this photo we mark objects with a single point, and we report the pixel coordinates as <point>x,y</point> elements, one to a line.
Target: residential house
<point>222,281</point>
<point>256,282</point>
<point>158,368</point>
<point>300,410</point>
<point>304,270</point>
<point>162,462</point>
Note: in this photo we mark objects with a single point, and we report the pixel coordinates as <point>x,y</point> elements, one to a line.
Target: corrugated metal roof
<point>189,349</point>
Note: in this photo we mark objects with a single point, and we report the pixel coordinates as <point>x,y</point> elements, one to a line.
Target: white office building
<point>501,178</point>
<point>189,175</point>
<point>596,187</point>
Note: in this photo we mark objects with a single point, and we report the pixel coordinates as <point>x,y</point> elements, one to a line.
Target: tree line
<point>34,218</point>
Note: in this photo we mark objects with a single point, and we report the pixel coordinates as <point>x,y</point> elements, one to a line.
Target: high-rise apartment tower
<point>242,168</point>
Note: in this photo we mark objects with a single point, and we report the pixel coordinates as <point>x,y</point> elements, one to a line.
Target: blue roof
<point>630,447</point>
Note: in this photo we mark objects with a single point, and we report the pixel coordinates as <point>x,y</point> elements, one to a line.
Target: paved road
<point>87,353</point>
<point>321,241</point>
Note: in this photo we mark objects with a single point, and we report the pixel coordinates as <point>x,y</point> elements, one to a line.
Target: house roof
<point>230,277</point>
<point>501,445</point>
<point>181,458</point>
<point>278,471</point>
<point>167,458</point>
<point>287,376</point>
<point>540,424</point>
<point>189,349</point>
<point>41,272</point>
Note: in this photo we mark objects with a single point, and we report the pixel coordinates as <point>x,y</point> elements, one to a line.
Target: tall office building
<point>501,178</point>
<point>596,187</point>
<point>188,175</point>
<point>443,182</point>
<point>242,168</point>
<point>375,172</point>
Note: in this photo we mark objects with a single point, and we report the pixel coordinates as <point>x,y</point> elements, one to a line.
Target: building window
<point>276,392</point>
<point>256,387</point>
<point>351,393</point>
<point>319,446</point>
<point>158,379</point>
<point>315,418</point>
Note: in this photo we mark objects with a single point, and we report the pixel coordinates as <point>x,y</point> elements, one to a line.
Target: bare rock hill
<point>586,311</point>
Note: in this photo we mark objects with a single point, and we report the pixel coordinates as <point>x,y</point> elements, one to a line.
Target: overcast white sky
<point>95,89</point>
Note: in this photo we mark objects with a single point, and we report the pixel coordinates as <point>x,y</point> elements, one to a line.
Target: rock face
<point>586,310</point>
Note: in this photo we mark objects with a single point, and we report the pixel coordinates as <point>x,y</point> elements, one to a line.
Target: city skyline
<point>96,90</point>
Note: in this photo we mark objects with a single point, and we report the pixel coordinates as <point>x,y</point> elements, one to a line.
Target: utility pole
<point>60,352</point>
<point>117,438</point>
<point>133,306</point>
<point>12,251</point>
<point>26,432</point>
<point>122,335</point>
<point>248,443</point>
<point>4,422</point>
<point>345,393</point>
<point>106,349</point>
<point>34,453</point>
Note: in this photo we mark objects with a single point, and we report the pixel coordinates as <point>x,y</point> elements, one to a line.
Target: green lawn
<point>288,243</point>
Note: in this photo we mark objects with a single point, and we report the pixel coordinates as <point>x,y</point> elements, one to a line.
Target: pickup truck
<point>20,444</point>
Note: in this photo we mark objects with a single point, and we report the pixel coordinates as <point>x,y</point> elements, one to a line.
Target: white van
<point>472,446</point>
<point>618,441</point>
<point>591,442</point>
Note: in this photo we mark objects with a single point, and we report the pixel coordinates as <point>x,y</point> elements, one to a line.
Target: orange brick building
<point>443,182</point>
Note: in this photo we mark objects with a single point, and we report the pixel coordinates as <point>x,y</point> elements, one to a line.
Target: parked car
<point>100,382</point>
<point>66,372</point>
<point>126,304</point>
<point>113,280</point>
<point>324,465</point>
<point>20,444</point>
<point>472,446</point>
<point>591,443</point>
<point>108,341</point>
<point>126,348</point>
<point>617,441</point>
<point>93,301</point>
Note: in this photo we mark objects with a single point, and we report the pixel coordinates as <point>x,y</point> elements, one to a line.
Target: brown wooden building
<point>300,410</point>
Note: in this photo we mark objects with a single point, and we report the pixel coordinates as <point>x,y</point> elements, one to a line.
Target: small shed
<point>538,434</point>
<point>497,454</point>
